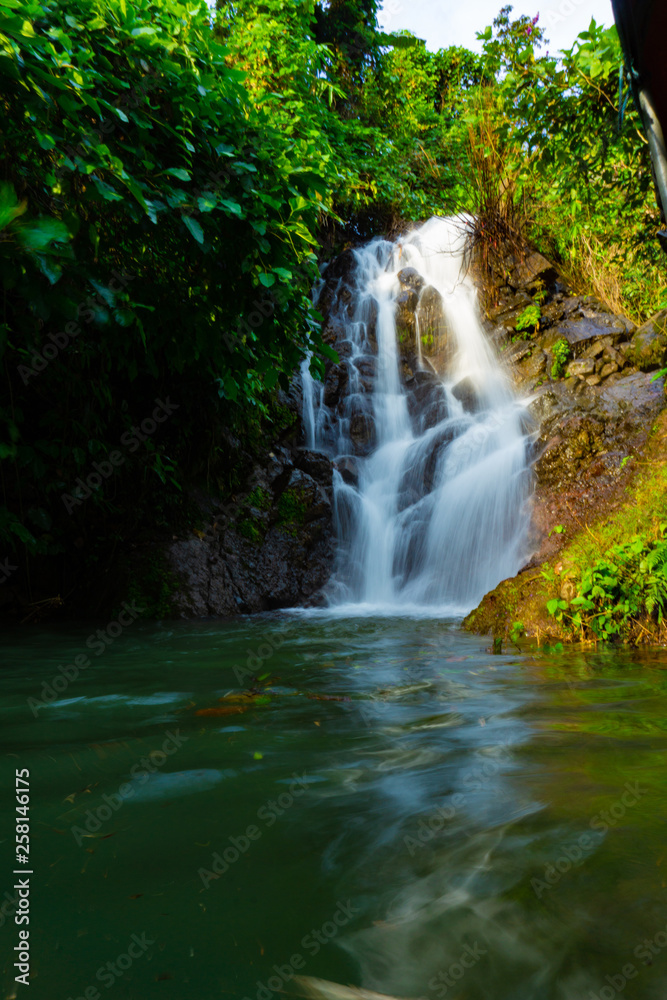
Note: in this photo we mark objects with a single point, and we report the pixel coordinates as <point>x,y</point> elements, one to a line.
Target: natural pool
<point>394,808</point>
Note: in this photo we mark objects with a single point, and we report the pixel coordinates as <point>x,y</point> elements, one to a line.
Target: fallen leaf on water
<point>258,756</point>
<point>163,975</point>
<point>70,798</point>
<point>137,895</point>
<point>316,723</point>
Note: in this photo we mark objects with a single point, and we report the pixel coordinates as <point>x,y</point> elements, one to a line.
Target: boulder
<point>466,392</point>
<point>409,277</point>
<point>649,344</point>
<point>316,463</point>
<point>585,366</point>
<point>406,305</point>
<point>435,338</point>
<point>582,331</point>
<point>531,269</point>
<point>348,466</point>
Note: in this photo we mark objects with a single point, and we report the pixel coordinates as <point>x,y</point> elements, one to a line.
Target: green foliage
<point>561,353</point>
<point>529,318</point>
<point>628,583</point>
<point>152,587</point>
<point>249,530</point>
<point>517,631</point>
<point>577,168</point>
<point>259,498</point>
<point>156,238</point>
<point>292,509</point>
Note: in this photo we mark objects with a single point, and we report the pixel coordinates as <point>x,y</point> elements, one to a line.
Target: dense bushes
<point>157,239</point>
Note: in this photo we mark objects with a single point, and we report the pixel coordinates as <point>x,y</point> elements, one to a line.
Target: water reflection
<point>501,817</point>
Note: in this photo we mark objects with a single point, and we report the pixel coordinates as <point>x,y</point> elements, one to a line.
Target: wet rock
<point>585,366</point>
<point>649,344</point>
<point>359,411</point>
<point>316,463</point>
<point>584,423</point>
<point>467,394</point>
<point>551,313</point>
<point>427,402</point>
<point>509,307</point>
<point>366,365</point>
<point>279,460</point>
<point>518,351</point>
<point>434,333</point>
<point>531,369</point>
<point>406,304</point>
<point>581,332</point>
<point>333,332</point>
<point>409,277</point>
<point>348,466</point>
<point>531,269</point>
<point>335,384</point>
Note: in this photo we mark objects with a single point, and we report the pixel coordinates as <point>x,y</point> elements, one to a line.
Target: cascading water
<point>430,445</point>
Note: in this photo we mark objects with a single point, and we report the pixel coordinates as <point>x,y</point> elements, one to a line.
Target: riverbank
<point>610,549</point>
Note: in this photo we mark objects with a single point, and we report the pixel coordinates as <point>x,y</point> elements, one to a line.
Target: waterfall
<point>429,443</point>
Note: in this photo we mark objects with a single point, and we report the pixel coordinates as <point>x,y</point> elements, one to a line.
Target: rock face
<point>587,377</point>
<point>271,547</point>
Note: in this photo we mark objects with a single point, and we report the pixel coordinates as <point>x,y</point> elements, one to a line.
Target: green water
<point>431,803</point>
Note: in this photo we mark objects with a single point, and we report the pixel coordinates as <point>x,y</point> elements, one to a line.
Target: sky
<point>454,22</point>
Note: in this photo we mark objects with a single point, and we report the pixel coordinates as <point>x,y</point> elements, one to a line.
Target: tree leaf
<point>194,228</point>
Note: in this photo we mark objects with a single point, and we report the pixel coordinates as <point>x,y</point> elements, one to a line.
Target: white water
<point>437,516</point>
